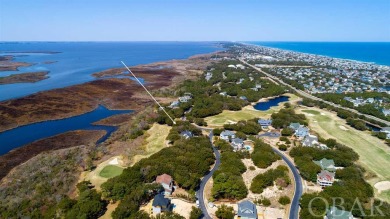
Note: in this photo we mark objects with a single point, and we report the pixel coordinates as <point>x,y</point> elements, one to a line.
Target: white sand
<point>343,128</point>
<point>382,186</point>
<point>114,161</point>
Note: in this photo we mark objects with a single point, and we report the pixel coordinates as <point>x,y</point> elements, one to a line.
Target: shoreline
<point>28,77</point>
<point>314,54</point>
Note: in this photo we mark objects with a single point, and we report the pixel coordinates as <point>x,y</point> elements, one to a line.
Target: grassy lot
<point>154,142</point>
<point>110,171</point>
<point>246,113</point>
<point>374,153</point>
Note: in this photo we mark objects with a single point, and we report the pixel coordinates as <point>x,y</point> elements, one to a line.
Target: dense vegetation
<point>350,185</point>
<point>225,212</point>
<point>250,127</point>
<point>180,126</point>
<point>284,117</point>
<point>269,178</point>
<point>228,182</point>
<point>263,155</point>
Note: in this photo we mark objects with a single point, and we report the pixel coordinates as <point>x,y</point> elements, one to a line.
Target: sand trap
<point>343,128</point>
<point>114,161</point>
<point>323,114</point>
<point>309,115</point>
<point>382,186</point>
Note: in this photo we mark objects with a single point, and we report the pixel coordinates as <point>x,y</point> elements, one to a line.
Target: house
<point>185,98</point>
<point>310,141</point>
<point>335,213</point>
<point>326,164</point>
<point>161,204</point>
<point>387,131</point>
<point>223,93</point>
<point>227,135</point>
<point>237,143</point>
<point>186,134</point>
<point>386,112</point>
<point>174,104</point>
<point>243,98</point>
<point>264,123</point>
<point>247,210</point>
<point>167,183</point>
<point>294,126</point>
<point>208,76</point>
<point>240,66</point>
<point>302,132</point>
<point>325,178</point>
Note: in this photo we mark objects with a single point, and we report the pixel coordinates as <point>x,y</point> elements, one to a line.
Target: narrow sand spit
<point>343,128</point>
<point>382,186</point>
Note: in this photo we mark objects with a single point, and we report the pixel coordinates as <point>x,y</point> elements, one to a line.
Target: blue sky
<point>190,20</point>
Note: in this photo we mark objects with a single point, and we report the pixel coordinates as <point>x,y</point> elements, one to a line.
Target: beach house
<point>237,144</point>
<point>326,164</point>
<point>310,141</point>
<point>264,123</point>
<point>186,134</point>
<point>246,210</point>
<point>325,178</point>
<point>302,132</point>
<point>227,135</point>
<point>167,183</point>
<point>161,204</point>
<point>335,213</point>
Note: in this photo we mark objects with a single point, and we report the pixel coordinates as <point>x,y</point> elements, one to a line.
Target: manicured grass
<point>155,141</point>
<point>374,153</point>
<point>311,112</point>
<point>110,171</point>
<point>385,195</point>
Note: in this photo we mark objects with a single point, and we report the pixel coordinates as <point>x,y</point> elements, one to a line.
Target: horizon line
<point>215,41</point>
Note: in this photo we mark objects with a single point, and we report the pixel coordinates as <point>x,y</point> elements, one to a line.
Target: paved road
<point>206,178</point>
<point>294,209</point>
<point>307,95</point>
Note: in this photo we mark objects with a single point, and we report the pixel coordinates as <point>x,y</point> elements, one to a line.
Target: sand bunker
<point>114,161</point>
<point>382,186</point>
<point>343,128</point>
<point>323,114</point>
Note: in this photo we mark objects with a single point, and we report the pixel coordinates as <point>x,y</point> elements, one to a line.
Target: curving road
<point>294,209</point>
<point>200,192</point>
<point>307,95</point>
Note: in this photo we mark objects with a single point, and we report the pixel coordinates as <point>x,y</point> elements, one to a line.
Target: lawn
<point>374,153</point>
<point>155,141</point>
<point>110,171</point>
<point>245,113</point>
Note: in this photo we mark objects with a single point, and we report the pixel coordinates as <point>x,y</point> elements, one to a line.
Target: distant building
<point>326,164</point>
<point>302,132</point>
<point>161,204</point>
<point>223,93</point>
<point>186,134</point>
<point>247,210</point>
<point>208,76</point>
<point>167,183</point>
<point>174,104</point>
<point>237,143</point>
<point>310,141</point>
<point>227,135</point>
<point>335,213</point>
<point>264,123</point>
<point>294,126</point>
<point>386,112</point>
<point>243,98</point>
<point>325,178</point>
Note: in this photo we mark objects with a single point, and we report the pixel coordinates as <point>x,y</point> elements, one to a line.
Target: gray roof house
<point>294,125</point>
<point>247,210</point>
<point>310,141</point>
<point>302,132</point>
<point>264,122</point>
<point>335,213</point>
<point>226,134</point>
<point>174,104</point>
<point>326,164</point>
<point>237,143</point>
<point>161,204</point>
<point>186,134</point>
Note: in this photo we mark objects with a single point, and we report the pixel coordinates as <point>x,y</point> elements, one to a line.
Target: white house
<point>325,178</point>
<point>227,135</point>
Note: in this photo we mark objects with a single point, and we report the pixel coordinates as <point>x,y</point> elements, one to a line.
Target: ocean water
<point>377,52</point>
<point>76,61</point>
<point>266,105</point>
<point>29,133</point>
